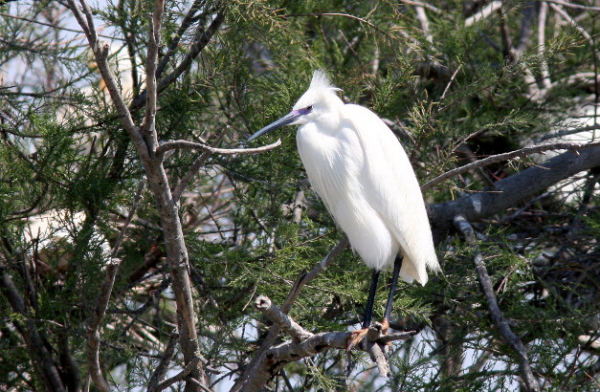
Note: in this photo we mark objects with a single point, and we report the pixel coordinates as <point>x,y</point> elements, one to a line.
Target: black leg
<point>396,273</point>
<point>371,300</point>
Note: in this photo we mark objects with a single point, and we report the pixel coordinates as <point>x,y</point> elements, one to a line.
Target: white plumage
<point>362,173</point>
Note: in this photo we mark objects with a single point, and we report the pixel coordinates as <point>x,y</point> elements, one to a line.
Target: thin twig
<point>449,83</point>
<point>201,160</point>
<point>568,17</point>
<point>165,360</point>
<point>496,315</point>
<point>184,144</point>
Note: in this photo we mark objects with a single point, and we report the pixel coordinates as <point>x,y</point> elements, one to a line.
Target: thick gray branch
<point>250,372</point>
<point>523,152</point>
<point>513,190</point>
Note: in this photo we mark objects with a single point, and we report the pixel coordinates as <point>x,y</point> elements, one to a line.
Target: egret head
<point>318,104</point>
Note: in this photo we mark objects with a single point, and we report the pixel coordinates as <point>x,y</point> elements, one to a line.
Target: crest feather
<point>321,81</point>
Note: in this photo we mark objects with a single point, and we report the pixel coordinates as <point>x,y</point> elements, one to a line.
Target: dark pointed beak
<point>287,119</point>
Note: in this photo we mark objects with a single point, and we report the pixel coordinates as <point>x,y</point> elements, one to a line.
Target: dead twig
<point>496,315</point>
<point>184,144</point>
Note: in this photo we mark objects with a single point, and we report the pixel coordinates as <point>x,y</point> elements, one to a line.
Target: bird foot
<point>377,330</point>
<point>385,325</point>
<point>356,337</point>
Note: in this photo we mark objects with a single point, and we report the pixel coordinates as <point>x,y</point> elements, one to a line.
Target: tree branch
<point>288,325</point>
<point>496,315</point>
<point>512,190</point>
<point>165,360</point>
<point>101,55</point>
<point>247,378</point>
<point>306,344</point>
<point>148,127</point>
<point>93,323</point>
<point>184,144</point>
<point>506,157</point>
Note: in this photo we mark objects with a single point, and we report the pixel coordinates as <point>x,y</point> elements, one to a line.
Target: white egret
<point>363,175</point>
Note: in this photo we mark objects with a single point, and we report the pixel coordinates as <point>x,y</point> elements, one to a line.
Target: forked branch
<point>306,344</point>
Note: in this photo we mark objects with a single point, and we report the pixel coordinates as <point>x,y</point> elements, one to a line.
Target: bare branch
<point>483,13</point>
<point>512,190</point>
<point>526,31</point>
<point>288,325</point>
<point>422,16</point>
<point>93,323</point>
<point>162,367</point>
<point>496,315</point>
<point>425,5</point>
<point>175,144</point>
<point>506,157</point>
<point>545,77</point>
<point>577,6</point>
<point>247,378</point>
<point>306,344</point>
<point>201,160</point>
<point>568,17</point>
<point>148,126</point>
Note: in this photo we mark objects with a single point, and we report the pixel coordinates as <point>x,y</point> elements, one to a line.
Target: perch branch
<point>304,278</point>
<point>496,315</point>
<point>275,358</point>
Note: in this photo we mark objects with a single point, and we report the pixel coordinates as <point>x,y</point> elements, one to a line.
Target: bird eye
<point>309,108</point>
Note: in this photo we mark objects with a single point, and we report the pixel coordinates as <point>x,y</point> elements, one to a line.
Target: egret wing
<point>392,189</point>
